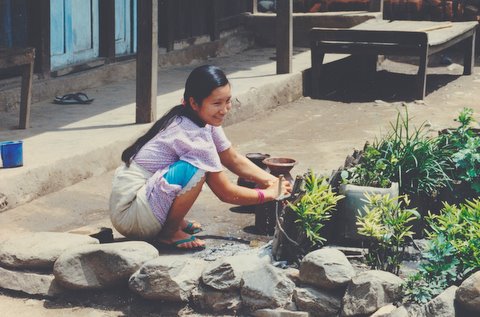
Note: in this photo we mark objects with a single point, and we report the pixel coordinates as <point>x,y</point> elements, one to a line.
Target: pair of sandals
<point>191,228</point>
<point>71,99</point>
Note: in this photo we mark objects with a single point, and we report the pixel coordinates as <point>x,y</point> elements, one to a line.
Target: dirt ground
<point>318,133</point>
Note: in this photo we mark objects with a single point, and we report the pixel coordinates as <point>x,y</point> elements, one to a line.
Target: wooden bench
<point>405,38</point>
<point>23,57</point>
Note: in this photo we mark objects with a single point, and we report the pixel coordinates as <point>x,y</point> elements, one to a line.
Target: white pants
<point>130,211</point>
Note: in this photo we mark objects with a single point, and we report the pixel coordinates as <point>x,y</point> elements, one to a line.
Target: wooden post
<point>170,25</point>
<point>26,93</point>
<point>213,20</point>
<point>284,36</point>
<point>107,29</point>
<point>38,17</point>
<point>469,55</point>
<point>147,61</point>
<point>254,6</point>
<point>376,6</point>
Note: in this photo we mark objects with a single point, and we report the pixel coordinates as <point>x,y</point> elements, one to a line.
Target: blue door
<point>13,26</point>
<point>73,31</point>
<point>125,26</point>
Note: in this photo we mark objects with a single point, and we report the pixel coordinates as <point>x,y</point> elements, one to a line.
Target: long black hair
<point>199,85</point>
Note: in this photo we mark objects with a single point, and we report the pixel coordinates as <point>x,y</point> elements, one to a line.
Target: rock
<point>385,311</point>
<point>369,291</point>
<point>217,301</point>
<point>279,312</point>
<point>30,283</point>
<point>171,278</point>
<point>101,266</point>
<point>226,274</point>
<point>443,305</point>
<point>326,268</point>
<point>266,287</point>
<point>317,302</point>
<point>39,250</point>
<point>468,293</point>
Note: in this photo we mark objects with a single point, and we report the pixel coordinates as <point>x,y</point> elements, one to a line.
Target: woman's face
<point>215,107</point>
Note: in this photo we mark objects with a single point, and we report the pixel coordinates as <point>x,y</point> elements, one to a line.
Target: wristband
<point>261,195</point>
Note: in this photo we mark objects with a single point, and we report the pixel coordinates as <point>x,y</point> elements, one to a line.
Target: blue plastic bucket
<point>12,153</point>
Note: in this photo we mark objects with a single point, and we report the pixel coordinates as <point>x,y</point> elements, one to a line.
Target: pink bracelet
<point>261,195</point>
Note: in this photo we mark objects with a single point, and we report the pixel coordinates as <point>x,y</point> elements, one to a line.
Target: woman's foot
<point>190,227</point>
<point>182,240</point>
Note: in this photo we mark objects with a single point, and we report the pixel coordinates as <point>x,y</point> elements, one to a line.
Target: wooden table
<point>406,38</point>
<point>23,57</point>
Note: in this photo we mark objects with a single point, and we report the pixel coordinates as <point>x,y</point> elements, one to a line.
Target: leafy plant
<point>414,159</point>
<point>371,170</point>
<point>406,155</point>
<point>461,227</point>
<point>463,147</point>
<point>387,223</point>
<point>453,253</point>
<point>315,206</point>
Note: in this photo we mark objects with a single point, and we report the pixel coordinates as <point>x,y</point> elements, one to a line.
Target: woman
<point>166,168</point>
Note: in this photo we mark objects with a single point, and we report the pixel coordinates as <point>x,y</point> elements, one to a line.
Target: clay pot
<point>257,159</point>
<point>280,166</point>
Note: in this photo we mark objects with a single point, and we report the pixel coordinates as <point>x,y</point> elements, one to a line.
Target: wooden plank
<point>147,61</point>
<point>284,36</point>
<point>107,29</point>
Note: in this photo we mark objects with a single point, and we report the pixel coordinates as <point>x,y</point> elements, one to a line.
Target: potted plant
<point>368,175</point>
<point>410,157</point>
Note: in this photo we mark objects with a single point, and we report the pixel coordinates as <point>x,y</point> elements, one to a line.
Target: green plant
<point>453,252</point>
<point>414,159</point>
<point>462,145</point>
<point>371,170</point>
<point>387,223</point>
<point>461,227</point>
<point>315,206</point>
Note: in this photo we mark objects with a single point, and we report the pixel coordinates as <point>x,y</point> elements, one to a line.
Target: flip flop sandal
<point>69,99</point>
<point>191,229</point>
<point>176,245</point>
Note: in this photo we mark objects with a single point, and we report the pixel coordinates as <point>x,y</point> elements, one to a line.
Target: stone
<point>317,302</point>
<point>279,312</point>
<point>170,278</point>
<point>370,290</point>
<point>385,311</point>
<point>326,268</point>
<point>266,287</point>
<point>217,301</point>
<point>102,266</point>
<point>30,283</point>
<point>443,305</point>
<point>468,293</point>
<point>39,250</point>
<point>226,274</point>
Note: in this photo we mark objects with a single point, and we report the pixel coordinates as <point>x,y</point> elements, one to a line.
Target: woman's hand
<point>271,191</point>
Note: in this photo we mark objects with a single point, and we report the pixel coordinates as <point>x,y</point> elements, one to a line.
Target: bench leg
<point>317,62</point>
<point>26,96</point>
<point>469,58</point>
<point>422,75</point>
